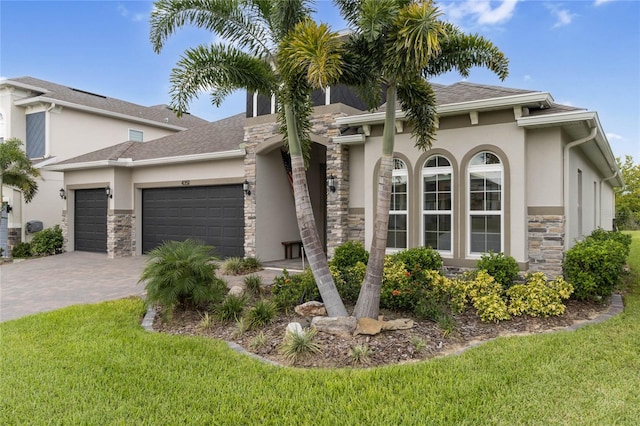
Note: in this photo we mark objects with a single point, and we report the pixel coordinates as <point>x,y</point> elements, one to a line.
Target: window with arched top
<point>437,204</point>
<point>485,175</point>
<point>398,209</point>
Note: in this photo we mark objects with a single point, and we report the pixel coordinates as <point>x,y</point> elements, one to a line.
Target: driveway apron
<point>48,283</point>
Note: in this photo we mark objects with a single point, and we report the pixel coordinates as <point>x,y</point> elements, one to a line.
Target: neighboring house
<point>509,171</point>
<point>57,122</point>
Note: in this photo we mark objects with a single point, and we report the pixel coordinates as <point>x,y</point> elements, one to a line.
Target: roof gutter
<point>99,111</point>
<point>130,163</point>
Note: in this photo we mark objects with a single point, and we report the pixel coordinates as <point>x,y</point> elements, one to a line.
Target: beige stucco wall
<point>505,139</point>
<point>73,132</point>
<point>356,176</point>
<point>544,167</point>
<point>276,219</point>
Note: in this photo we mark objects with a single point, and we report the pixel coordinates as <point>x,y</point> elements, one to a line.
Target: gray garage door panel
<point>90,214</point>
<point>213,214</point>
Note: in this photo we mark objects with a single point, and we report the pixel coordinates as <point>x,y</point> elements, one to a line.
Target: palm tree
<point>399,44</point>
<point>16,171</point>
<point>258,33</point>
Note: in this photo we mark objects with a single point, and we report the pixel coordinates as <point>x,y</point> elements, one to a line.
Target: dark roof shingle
<point>159,113</point>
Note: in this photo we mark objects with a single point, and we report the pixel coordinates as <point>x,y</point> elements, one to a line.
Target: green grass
<point>94,364</point>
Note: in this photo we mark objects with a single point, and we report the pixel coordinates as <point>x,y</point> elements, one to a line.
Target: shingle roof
<point>465,92</point>
<point>218,136</point>
<point>159,113</point>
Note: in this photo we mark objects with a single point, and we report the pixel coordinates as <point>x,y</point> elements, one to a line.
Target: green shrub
<point>349,254</point>
<point>182,273</point>
<point>594,267</point>
<point>231,307</point>
<point>21,250</point>
<point>484,293</point>
<point>240,266</point>
<point>538,297</point>
<point>503,268</point>
<point>291,290</point>
<point>402,291</point>
<point>349,281</point>
<point>253,284</point>
<point>295,345</point>
<point>600,234</point>
<point>263,313</point>
<point>419,259</point>
<point>47,242</point>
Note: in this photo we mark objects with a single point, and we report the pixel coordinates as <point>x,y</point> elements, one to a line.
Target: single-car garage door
<point>90,230</point>
<point>213,214</point>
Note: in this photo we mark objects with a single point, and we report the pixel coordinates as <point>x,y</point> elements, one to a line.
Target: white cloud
<point>126,13</point>
<point>615,137</point>
<point>527,77</point>
<point>483,12</point>
<point>601,2</point>
<point>563,16</point>
<point>566,103</point>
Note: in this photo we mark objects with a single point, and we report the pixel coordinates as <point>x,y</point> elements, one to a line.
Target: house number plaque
<point>186,182</point>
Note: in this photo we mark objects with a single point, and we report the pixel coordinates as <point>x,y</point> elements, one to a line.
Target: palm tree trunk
<point>368,305</point>
<point>307,224</point>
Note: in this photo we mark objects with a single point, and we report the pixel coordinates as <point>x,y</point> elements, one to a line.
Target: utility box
<point>34,226</point>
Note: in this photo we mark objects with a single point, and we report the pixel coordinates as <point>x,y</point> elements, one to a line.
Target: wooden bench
<point>288,248</point>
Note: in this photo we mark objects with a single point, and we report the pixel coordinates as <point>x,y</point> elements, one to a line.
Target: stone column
<point>121,233</point>
<point>546,244</point>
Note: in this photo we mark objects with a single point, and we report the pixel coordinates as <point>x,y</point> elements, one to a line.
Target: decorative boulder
<point>293,328</point>
<point>368,326</point>
<point>311,309</point>
<point>236,290</point>
<point>339,326</point>
<point>398,324</point>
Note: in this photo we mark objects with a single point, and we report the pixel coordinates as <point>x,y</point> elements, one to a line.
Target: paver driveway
<point>53,282</point>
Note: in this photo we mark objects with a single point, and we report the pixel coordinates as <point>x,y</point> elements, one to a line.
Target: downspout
<point>591,136</point>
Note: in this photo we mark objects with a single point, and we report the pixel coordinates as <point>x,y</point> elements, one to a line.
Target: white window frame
<point>484,168</point>
<point>434,171</point>
<point>134,132</point>
<point>399,173</point>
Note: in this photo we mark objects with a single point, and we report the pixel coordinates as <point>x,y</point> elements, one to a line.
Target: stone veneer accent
<point>546,244</point>
<point>65,231</point>
<point>14,236</point>
<point>356,227</point>
<point>337,164</point>
<point>121,230</point>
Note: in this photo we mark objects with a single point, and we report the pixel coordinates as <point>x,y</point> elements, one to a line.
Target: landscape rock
<point>236,290</point>
<point>293,328</point>
<point>311,309</point>
<point>339,326</point>
<point>368,326</point>
<point>398,324</point>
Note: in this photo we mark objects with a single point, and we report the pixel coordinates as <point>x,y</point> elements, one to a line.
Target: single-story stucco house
<point>510,171</point>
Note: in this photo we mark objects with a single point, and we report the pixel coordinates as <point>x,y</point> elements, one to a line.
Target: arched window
<point>485,178</point>
<point>437,200</point>
<point>397,231</point>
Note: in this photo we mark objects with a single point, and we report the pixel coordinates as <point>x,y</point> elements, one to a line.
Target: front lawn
<point>95,365</point>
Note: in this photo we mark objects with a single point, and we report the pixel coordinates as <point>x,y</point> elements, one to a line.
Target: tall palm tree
<point>258,33</point>
<point>399,44</point>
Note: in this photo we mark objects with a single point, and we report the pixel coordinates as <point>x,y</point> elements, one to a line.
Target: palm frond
<point>312,50</point>
<point>461,52</point>
<point>286,14</point>
<point>16,169</point>
<point>241,23</point>
<point>418,101</point>
<point>375,18</point>
<point>219,70</point>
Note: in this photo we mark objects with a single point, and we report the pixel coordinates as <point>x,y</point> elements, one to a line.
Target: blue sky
<point>585,53</point>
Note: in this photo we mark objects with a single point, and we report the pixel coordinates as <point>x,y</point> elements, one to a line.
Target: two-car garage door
<point>213,214</point>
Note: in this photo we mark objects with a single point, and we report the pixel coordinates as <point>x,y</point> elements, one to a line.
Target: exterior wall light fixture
<point>331,181</point>
<point>63,194</point>
<point>107,191</point>
<point>245,187</point>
